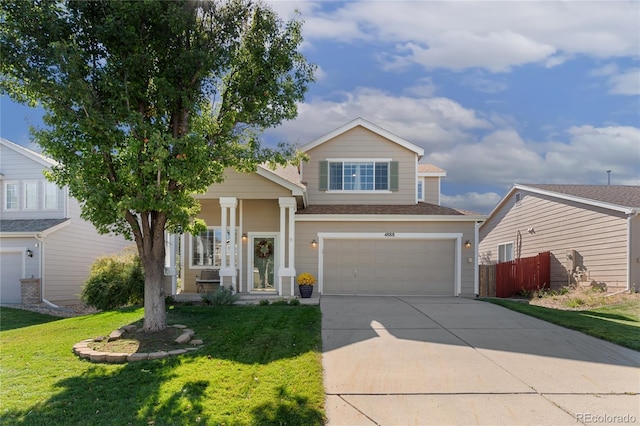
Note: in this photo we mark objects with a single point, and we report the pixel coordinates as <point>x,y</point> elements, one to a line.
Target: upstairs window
<point>50,195</point>
<point>358,175</point>
<point>31,195</point>
<point>420,191</point>
<point>11,196</point>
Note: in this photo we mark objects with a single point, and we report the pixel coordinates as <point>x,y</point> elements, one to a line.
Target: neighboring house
<point>361,215</point>
<point>41,232</point>
<point>592,232</point>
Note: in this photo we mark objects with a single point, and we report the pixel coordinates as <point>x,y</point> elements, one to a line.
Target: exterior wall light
<point>29,253</point>
<point>467,244</point>
<point>314,243</point>
<point>244,236</point>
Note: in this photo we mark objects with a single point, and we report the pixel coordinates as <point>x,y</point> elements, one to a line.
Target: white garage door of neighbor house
<point>10,275</point>
<point>389,267</point>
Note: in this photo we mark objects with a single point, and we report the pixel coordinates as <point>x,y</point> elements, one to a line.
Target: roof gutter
<point>387,218</point>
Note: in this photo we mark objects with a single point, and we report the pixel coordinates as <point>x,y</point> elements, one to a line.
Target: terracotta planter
<point>305,290</point>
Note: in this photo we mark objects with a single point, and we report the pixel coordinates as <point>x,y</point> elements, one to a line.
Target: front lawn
<point>618,323</point>
<point>260,365</point>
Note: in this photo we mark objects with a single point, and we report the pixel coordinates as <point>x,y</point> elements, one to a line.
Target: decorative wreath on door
<point>264,249</point>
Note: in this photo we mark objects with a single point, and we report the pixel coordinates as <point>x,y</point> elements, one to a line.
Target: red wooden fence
<point>528,274</point>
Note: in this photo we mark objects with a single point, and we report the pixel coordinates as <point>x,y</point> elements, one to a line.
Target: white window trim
<point>211,228</point>
<point>5,198</point>
<point>358,160</point>
<point>498,251</point>
<point>421,194</point>
<point>44,195</point>
<point>25,184</point>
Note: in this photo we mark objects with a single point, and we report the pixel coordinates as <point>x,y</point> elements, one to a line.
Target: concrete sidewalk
<point>454,361</point>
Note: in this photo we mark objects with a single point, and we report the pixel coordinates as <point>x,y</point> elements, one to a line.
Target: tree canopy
<point>148,102</point>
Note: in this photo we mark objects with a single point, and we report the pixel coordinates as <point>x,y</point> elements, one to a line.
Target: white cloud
<point>497,52</point>
<point>620,82</point>
<point>433,123</point>
<point>626,83</point>
<point>605,70</point>
<point>479,82</point>
<point>496,36</point>
<point>474,201</point>
<point>503,158</point>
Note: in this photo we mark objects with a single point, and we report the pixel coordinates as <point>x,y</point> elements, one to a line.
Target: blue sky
<point>495,92</point>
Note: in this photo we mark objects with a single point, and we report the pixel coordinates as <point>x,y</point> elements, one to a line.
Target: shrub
<point>264,302</point>
<point>221,296</point>
<point>115,281</point>
<point>294,302</point>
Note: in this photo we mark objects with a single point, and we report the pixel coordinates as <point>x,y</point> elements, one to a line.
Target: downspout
<point>40,238</point>
<point>630,217</point>
<point>476,272</point>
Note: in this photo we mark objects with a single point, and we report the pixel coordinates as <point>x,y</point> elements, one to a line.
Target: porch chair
<point>208,277</point>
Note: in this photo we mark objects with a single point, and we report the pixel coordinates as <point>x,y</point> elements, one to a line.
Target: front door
<point>263,263</point>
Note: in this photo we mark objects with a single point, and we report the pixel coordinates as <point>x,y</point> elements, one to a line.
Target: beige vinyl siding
<point>257,216</point>
<point>634,258</point>
<point>432,190</point>
<point>307,256</point>
<point>360,143</point>
<point>245,186</point>
<point>19,169</point>
<point>69,254</point>
<point>597,234</point>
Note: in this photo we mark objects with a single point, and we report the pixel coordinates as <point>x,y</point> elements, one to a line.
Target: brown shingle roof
<point>621,195</point>
<point>417,209</point>
<point>429,168</point>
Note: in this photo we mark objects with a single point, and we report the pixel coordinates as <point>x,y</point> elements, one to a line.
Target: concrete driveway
<point>454,361</point>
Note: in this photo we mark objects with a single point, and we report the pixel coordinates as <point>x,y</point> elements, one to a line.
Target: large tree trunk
<point>152,256</point>
<point>155,316</point>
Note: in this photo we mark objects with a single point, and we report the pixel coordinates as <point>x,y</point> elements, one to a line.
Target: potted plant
<point>306,282</point>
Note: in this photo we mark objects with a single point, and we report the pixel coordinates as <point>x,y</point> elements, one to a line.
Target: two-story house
<point>362,215</point>
<point>41,233</point>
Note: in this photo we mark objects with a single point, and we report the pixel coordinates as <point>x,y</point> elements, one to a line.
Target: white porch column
<point>228,207</point>
<point>287,268</point>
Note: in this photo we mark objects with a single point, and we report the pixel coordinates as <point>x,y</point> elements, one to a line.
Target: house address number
<point>389,234</point>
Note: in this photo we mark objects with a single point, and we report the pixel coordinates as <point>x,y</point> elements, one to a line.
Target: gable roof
<point>430,170</point>
<point>620,195</point>
<point>35,156</point>
<point>620,198</point>
<point>369,126</point>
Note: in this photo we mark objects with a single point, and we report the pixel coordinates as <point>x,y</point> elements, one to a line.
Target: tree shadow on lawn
<point>12,318</point>
<point>185,389</point>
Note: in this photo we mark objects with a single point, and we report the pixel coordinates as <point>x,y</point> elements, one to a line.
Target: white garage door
<point>389,267</point>
<point>10,275</point>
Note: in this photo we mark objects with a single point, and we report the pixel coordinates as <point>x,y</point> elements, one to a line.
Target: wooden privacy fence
<point>508,278</point>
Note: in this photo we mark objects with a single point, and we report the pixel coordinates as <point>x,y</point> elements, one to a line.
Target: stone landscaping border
<point>82,349</point>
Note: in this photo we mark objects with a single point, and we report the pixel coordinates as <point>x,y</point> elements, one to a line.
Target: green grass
<point>260,365</point>
<point>618,323</point>
<point>18,318</point>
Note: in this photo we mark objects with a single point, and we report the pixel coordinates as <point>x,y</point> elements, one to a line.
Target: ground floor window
<point>206,248</point>
<point>505,252</point>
